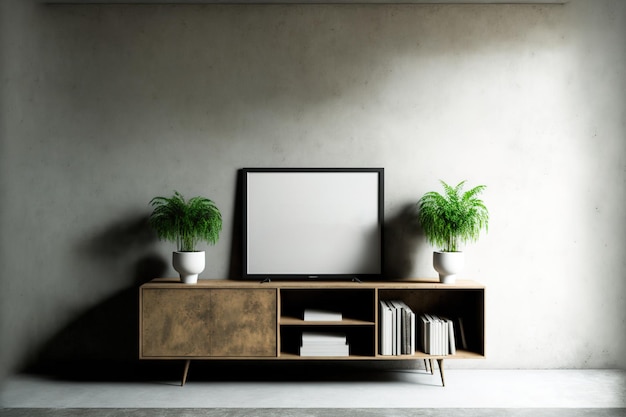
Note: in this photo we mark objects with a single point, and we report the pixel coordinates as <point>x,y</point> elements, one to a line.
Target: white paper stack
<point>312,314</point>
<point>324,344</point>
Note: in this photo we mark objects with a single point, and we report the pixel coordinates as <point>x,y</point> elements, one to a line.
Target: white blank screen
<point>310,223</point>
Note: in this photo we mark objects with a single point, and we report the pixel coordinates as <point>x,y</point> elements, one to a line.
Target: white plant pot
<point>448,265</point>
<point>188,265</point>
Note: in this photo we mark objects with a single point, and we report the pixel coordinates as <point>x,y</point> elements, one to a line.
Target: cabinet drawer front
<point>176,322</point>
<point>244,322</point>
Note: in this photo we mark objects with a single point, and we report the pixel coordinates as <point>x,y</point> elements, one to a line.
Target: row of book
<point>401,331</point>
<point>397,328</point>
<point>324,344</point>
<point>439,335</point>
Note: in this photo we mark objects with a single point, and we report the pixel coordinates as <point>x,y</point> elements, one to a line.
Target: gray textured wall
<point>104,107</point>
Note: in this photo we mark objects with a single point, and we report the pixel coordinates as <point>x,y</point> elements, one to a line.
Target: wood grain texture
<point>202,323</point>
<point>176,322</point>
<point>244,322</point>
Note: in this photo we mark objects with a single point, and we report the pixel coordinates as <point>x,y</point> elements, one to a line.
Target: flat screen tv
<point>312,223</point>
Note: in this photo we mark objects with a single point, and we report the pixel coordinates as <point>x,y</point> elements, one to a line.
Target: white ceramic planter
<point>448,265</point>
<point>188,265</point>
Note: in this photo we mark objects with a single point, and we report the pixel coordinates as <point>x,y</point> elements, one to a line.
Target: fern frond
<point>186,223</point>
<point>453,217</point>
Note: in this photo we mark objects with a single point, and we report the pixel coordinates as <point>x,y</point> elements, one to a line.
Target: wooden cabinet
<point>199,322</point>
<point>224,319</point>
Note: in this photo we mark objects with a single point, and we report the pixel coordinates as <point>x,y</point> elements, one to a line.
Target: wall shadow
<point>129,235</point>
<point>401,239</point>
<point>102,342</point>
<point>235,270</point>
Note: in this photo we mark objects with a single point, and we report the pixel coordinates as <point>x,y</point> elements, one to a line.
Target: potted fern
<point>450,219</point>
<point>186,223</point>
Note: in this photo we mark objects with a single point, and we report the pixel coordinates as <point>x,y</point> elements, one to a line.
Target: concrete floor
<point>388,389</point>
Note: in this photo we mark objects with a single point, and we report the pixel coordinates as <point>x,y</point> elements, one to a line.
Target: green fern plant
<point>454,217</point>
<point>186,223</point>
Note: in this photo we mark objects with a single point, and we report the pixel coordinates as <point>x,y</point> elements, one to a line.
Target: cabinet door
<point>175,322</point>
<point>244,322</point>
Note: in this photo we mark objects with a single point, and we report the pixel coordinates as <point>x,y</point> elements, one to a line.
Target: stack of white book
<point>397,328</point>
<point>437,334</point>
<point>313,314</point>
<point>324,344</point>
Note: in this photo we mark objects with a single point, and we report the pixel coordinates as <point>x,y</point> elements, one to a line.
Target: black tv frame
<point>313,275</point>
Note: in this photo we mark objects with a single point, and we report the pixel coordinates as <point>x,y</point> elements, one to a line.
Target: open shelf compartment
<point>355,305</point>
<point>464,306</point>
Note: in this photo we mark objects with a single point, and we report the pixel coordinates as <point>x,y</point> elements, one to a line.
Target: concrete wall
<point>104,107</point>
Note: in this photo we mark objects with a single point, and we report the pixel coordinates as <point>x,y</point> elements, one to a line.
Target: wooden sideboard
<point>245,320</point>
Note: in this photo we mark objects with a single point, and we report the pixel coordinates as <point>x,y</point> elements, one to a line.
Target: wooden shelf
<point>460,354</point>
<point>293,356</point>
<point>294,321</point>
<point>463,354</point>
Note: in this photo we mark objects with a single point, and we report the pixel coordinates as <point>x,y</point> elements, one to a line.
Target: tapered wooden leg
<point>185,371</point>
<point>440,362</point>
<point>432,366</point>
<point>426,364</point>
